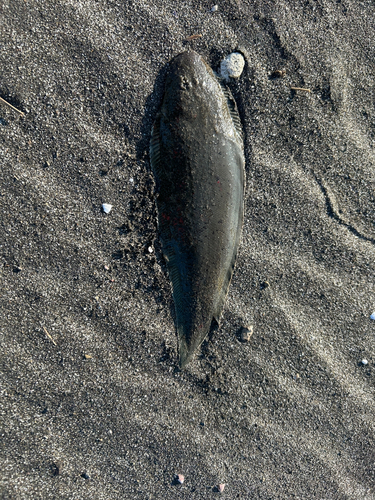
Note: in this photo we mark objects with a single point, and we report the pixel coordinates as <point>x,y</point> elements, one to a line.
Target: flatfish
<point>197,157</point>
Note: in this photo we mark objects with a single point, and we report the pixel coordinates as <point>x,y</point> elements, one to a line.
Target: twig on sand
<point>193,37</point>
<point>299,88</point>
<point>49,335</point>
<point>8,104</point>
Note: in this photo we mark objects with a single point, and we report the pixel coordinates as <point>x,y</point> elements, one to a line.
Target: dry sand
<point>92,406</point>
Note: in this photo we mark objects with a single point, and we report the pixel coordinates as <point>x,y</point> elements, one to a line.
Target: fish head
<point>189,85</point>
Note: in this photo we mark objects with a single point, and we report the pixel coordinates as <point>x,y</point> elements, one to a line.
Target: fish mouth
<point>189,59</point>
<point>188,69</point>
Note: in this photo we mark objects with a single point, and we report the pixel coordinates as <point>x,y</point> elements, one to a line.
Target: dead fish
<point>197,157</point>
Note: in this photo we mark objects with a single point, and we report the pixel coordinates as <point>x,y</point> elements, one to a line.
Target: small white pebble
<point>106,208</point>
<point>214,8</point>
<point>131,180</point>
<point>180,478</point>
<point>150,249</point>
<point>372,315</point>
<point>221,487</point>
<point>364,362</point>
<point>232,66</point>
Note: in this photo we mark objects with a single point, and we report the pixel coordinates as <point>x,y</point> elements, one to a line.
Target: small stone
<point>87,356</point>
<point>106,268</point>
<point>214,8</point>
<point>106,208</point>
<point>372,316</point>
<point>278,73</point>
<point>221,487</point>
<point>150,249</point>
<point>180,478</point>
<point>232,66</point>
<point>85,475</point>
<point>246,333</point>
<point>56,468</point>
<point>364,362</point>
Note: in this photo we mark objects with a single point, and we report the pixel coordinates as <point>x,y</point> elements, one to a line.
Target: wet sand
<point>92,404</point>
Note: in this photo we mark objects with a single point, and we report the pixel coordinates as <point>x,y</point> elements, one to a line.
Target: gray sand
<point>92,404</point>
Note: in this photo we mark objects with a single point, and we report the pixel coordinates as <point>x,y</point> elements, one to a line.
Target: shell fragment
<point>106,208</point>
<point>232,66</point>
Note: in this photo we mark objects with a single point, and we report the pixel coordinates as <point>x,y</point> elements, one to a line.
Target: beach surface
<point>92,403</point>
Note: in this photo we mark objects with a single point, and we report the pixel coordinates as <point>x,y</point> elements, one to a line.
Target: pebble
<point>56,468</point>
<point>214,8</point>
<point>221,488</point>
<point>150,249</point>
<point>180,478</point>
<point>278,73</point>
<point>246,333</point>
<point>106,208</point>
<point>232,66</point>
<point>372,316</point>
<point>364,362</point>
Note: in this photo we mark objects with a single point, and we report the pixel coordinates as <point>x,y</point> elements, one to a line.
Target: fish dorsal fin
<point>155,147</point>
<point>170,250</point>
<point>174,272</point>
<point>232,108</point>
<point>224,291</point>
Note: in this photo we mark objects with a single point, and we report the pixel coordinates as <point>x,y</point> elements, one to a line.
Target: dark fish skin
<point>197,156</point>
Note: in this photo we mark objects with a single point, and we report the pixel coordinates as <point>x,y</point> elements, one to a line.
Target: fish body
<point>197,156</point>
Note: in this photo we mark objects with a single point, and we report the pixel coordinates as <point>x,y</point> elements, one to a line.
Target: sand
<point>92,404</point>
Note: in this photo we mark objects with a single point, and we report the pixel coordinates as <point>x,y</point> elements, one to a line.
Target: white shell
<point>364,362</point>
<point>106,208</point>
<point>372,315</point>
<point>232,66</point>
